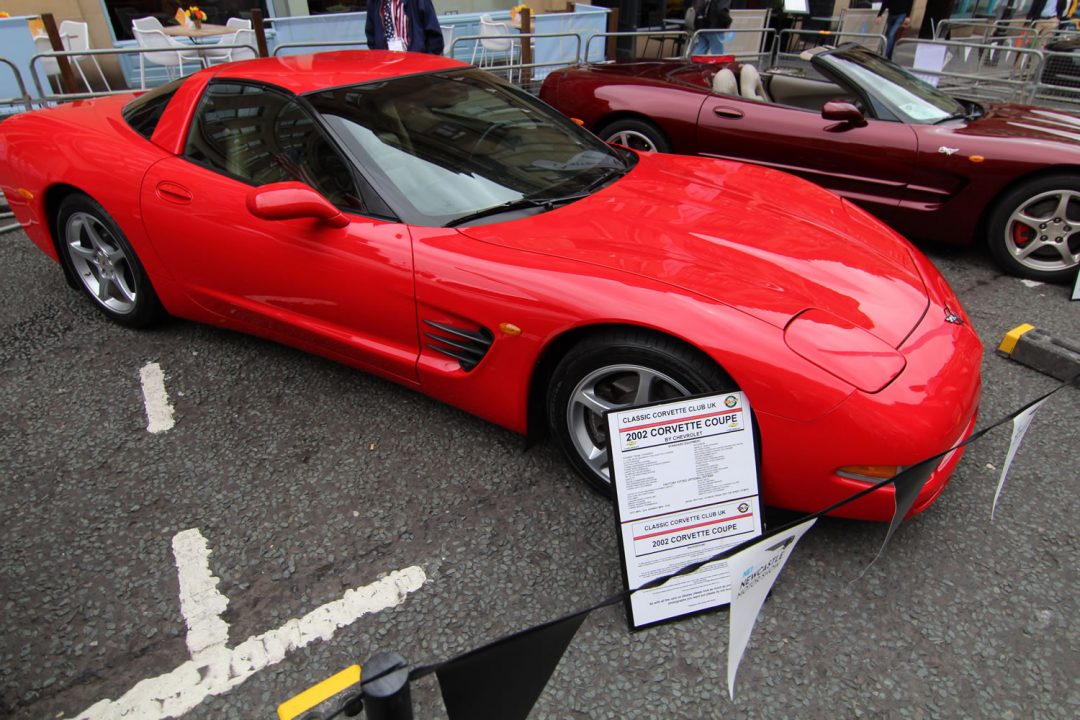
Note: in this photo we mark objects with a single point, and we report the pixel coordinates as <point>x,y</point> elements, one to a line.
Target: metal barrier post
<point>24,97</point>
<point>259,27</point>
<point>388,697</point>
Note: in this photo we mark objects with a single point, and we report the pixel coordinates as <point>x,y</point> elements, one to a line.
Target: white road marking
<point>159,411</point>
<point>214,668</point>
<point>200,601</point>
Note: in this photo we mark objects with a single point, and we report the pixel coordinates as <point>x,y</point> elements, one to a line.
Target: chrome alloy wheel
<point>611,388</point>
<point>1043,232</point>
<point>100,263</point>
<point>633,140</point>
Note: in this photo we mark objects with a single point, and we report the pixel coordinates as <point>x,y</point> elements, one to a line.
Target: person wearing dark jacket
<point>711,15</point>
<point>899,16</point>
<point>403,25</point>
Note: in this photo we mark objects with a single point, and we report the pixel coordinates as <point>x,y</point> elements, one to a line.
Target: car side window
<point>262,136</point>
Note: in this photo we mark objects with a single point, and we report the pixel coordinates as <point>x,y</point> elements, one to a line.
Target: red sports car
<point>931,166</point>
<point>421,220</point>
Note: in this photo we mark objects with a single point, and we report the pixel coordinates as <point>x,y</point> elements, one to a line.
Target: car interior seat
<point>723,82</point>
<point>751,86</point>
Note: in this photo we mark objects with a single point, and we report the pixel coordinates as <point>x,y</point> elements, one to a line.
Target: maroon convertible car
<point>934,167</point>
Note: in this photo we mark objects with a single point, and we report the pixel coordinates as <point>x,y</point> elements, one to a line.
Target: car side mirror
<point>842,111</point>
<point>293,201</point>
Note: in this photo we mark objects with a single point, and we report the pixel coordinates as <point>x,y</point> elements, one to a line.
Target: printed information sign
<point>686,488</point>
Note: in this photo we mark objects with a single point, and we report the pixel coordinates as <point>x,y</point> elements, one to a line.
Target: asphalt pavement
<point>307,478</point>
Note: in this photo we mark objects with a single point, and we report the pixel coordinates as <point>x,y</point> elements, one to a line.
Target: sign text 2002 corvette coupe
<point>931,166</point>
<point>418,219</point>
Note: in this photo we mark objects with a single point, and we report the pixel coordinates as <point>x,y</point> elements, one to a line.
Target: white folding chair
<point>173,53</point>
<point>447,40</point>
<point>235,23</point>
<point>47,65</point>
<point>76,36</point>
<point>497,42</point>
<point>240,37</point>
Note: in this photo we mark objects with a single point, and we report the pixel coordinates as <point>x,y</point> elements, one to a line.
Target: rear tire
<point>98,257</point>
<point>613,370</point>
<point>636,135</point>
<point>1035,229</point>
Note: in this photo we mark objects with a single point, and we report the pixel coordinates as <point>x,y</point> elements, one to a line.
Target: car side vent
<point>468,347</point>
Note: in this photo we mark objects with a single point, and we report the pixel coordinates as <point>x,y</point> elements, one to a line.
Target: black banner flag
<point>503,680</point>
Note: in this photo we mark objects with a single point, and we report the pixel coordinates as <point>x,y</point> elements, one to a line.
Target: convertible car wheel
<point>616,370</point>
<point>98,256</point>
<point>1035,229</point>
<point>637,135</point>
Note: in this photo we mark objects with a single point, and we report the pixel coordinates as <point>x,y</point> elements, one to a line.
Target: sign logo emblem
<point>730,401</point>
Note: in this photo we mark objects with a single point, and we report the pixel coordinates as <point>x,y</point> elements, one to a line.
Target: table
<point>196,33</point>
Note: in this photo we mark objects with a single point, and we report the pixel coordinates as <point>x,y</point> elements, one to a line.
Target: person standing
<point>1045,15</point>
<point>899,16</point>
<point>403,25</point>
<point>711,15</point>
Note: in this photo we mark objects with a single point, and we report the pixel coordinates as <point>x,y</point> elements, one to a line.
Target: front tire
<point>103,264</point>
<point>636,135</point>
<point>615,370</point>
<point>1035,229</point>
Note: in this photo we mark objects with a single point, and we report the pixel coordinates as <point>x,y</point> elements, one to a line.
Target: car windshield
<point>906,96</point>
<point>458,146</point>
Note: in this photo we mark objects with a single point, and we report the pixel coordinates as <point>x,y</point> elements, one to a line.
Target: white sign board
<point>931,58</point>
<point>686,488</point>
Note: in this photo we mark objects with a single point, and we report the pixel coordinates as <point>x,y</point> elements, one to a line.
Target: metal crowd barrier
<point>997,70</point>
<point>753,45</point>
<point>677,37</point>
<point>322,44</point>
<point>792,43</point>
<point>24,98</point>
<point>975,70</point>
<point>44,97</point>
<point>524,70</point>
<point>5,215</point>
<point>1058,82</point>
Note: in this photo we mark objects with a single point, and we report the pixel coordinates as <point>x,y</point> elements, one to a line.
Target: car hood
<point>756,239</point>
<point>1023,121</point>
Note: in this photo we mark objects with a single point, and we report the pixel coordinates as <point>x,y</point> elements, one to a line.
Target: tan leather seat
<point>723,82</point>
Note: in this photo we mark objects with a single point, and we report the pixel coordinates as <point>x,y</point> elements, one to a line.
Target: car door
<point>344,292</point>
<point>871,164</point>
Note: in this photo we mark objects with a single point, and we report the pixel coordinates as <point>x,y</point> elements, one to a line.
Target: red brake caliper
<point>1022,234</point>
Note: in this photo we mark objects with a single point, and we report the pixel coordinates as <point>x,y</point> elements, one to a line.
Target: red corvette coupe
<point>932,167</point>
<point>419,219</point>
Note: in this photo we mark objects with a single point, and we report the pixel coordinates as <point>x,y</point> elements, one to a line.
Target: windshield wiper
<point>958,115</point>
<point>522,203</point>
<point>548,203</point>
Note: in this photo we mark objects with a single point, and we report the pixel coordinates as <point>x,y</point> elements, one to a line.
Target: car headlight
<point>844,349</point>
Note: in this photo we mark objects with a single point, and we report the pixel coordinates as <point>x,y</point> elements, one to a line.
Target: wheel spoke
<point>119,281</point>
<point>1029,220</point>
<point>1062,209</point>
<point>598,460</point>
<point>103,285</point>
<point>592,403</point>
<point>85,253</point>
<point>1068,257</point>
<point>96,239</point>
<point>644,387</point>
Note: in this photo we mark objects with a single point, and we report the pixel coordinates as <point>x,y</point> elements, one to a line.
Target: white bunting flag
<point>1021,423</point>
<point>753,572</point>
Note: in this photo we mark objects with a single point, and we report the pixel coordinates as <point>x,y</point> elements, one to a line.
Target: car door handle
<point>727,112</point>
<point>174,193</point>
